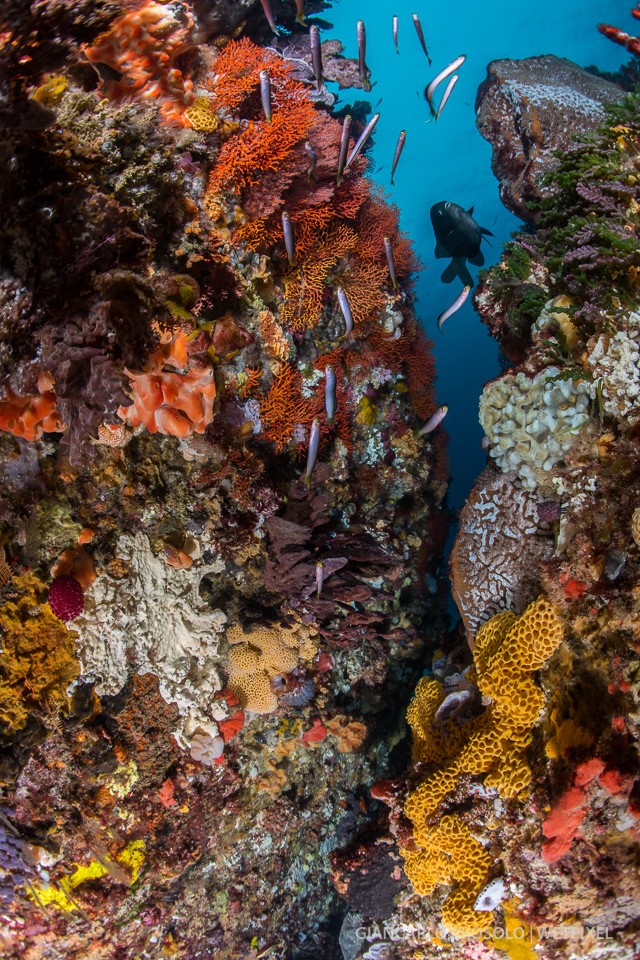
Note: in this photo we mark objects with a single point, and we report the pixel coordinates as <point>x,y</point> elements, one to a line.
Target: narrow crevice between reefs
<point>236,721</point>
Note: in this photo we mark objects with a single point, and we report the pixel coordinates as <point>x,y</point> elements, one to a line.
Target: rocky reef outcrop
<point>518,818</point>
<point>528,110</point>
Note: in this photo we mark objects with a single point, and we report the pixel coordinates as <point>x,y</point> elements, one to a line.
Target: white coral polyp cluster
<point>153,620</point>
<point>615,362</point>
<point>532,423</point>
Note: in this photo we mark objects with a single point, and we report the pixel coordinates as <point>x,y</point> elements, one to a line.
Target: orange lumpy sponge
<point>30,417</point>
<point>143,45</point>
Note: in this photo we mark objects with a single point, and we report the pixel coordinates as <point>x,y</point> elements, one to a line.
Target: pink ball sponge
<point>66,598</point>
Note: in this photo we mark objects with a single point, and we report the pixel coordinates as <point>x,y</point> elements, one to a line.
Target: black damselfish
<point>457,236</point>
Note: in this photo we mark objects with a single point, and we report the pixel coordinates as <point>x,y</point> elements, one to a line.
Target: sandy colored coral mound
<point>257,656</point>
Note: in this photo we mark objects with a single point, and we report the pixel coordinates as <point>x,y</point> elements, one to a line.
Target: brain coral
<point>615,361</point>
<point>498,549</point>
<point>507,650</point>
<point>532,423</point>
<point>256,657</point>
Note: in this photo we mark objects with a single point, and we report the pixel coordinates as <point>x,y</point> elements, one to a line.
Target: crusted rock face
<point>153,619</point>
<point>532,423</point>
<point>615,362</point>
<point>528,109</point>
<point>498,550</point>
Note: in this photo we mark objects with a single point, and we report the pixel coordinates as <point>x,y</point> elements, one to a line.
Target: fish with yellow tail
<point>289,240</point>
<point>418,26</point>
<point>402,136</point>
<point>434,420</point>
<point>431,87</point>
<point>300,13</point>
<point>344,147</point>
<point>319,577</point>
<point>265,94</point>
<point>316,56</point>
<point>268,12</point>
<point>362,139</point>
<point>455,306</point>
<point>346,312</point>
<point>388,249</point>
<point>312,453</point>
<point>363,71</point>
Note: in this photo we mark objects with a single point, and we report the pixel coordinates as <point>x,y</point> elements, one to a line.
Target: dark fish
<point>388,249</point>
<point>312,454</point>
<point>418,26</point>
<point>457,236</point>
<point>447,93</point>
<point>344,146</point>
<point>362,139</point>
<point>455,306</point>
<point>313,159</point>
<point>289,242</point>
<point>268,12</point>
<point>316,55</point>
<point>402,136</point>
<point>265,94</point>
<point>395,33</point>
<point>363,70</point>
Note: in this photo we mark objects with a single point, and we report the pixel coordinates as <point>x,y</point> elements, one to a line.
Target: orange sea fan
<point>285,407</point>
<point>238,69</point>
<point>30,417</point>
<point>421,375</point>
<point>363,282</point>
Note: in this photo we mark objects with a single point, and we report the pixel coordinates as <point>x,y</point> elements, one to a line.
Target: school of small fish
<point>448,241</point>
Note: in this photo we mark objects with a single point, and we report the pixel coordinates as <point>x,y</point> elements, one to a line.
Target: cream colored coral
<point>532,423</point>
<point>615,363</point>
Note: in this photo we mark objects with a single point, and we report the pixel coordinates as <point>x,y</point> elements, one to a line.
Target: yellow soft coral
<point>37,655</point>
<point>507,651</point>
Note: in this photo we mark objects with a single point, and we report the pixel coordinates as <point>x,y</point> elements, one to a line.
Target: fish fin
<point>440,251</point>
<point>457,268</point>
<point>477,259</point>
<point>470,211</point>
<point>485,232</point>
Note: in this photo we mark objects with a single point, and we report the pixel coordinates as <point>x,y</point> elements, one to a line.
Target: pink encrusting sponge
<point>66,598</point>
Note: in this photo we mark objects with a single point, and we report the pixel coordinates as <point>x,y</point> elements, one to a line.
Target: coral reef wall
<point>518,817</point>
<point>219,522</point>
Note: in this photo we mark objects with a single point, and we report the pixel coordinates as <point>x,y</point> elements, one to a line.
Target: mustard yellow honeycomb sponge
<point>451,855</point>
<point>201,116</point>
<point>511,777</point>
<point>535,635</point>
<point>257,656</point>
<point>489,639</point>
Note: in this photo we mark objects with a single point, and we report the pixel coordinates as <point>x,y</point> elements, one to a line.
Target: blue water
<point>451,161</point>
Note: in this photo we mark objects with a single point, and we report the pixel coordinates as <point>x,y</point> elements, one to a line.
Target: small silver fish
<point>319,577</point>
<point>395,33</point>
<point>289,241</point>
<point>316,55</point>
<point>439,77</point>
<point>388,249</point>
<point>330,400</point>
<point>402,136</point>
<point>265,94</point>
<point>447,93</point>
<point>418,26</point>
<point>363,70</point>
<point>457,303</point>
<point>268,12</point>
<point>362,139</point>
<point>344,146</point>
<point>312,454</point>
<point>434,420</point>
<point>313,159</point>
<point>346,312</point>
<point>300,13</point>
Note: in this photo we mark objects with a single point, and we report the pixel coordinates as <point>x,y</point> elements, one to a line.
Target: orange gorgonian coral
<point>284,408</point>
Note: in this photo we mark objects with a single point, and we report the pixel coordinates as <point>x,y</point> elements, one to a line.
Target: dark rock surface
<point>528,109</point>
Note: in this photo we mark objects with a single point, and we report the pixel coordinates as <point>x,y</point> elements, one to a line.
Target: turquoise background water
<point>451,161</point>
